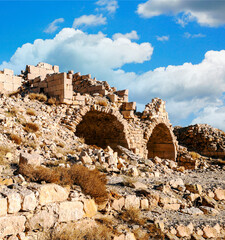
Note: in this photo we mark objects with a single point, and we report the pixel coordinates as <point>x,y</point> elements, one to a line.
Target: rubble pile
<point>203,139</point>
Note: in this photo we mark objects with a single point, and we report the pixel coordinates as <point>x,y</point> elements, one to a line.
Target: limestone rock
<point>11,225</point>
<point>3,206</point>
<point>29,201</point>
<point>41,220</point>
<point>70,211</point>
<point>219,194</point>
<point>132,201</point>
<point>32,159</point>
<point>52,193</point>
<point>90,208</point>
<point>118,204</point>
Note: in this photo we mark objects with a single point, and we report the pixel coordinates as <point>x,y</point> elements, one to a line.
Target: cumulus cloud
<point>207,13</point>
<point>108,5</point>
<point>189,89</point>
<point>52,27</point>
<point>74,49</point>
<point>132,35</point>
<point>214,116</point>
<point>89,20</point>
<point>198,35</point>
<point>162,38</point>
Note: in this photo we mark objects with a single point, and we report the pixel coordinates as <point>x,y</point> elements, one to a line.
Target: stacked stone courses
<point>102,114</point>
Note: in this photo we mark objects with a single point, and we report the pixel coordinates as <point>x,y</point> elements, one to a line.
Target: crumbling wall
<point>9,82</point>
<point>203,139</point>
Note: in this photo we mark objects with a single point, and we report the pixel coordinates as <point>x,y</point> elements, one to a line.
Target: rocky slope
<point>147,198</point>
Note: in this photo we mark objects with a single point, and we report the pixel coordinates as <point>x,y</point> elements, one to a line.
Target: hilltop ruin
<point>102,115</point>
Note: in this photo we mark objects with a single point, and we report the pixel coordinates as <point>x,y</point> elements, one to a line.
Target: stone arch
<point>102,126</point>
<point>162,142</point>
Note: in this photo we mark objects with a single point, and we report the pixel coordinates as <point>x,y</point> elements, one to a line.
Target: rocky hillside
<point>53,185</point>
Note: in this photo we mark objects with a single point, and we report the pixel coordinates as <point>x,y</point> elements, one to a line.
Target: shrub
<point>92,182</point>
<point>31,112</point>
<point>15,138</point>
<point>31,127</point>
<point>73,231</point>
<point>133,215</point>
<point>37,96</point>
<point>52,101</point>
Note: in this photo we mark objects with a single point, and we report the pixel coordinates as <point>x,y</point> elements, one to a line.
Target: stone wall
<point>40,207</point>
<point>203,139</point>
<point>103,115</point>
<point>8,81</point>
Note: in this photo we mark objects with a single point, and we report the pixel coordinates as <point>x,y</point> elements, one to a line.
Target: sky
<point>171,49</point>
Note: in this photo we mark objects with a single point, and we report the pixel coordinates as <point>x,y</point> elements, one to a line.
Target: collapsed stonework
<point>102,115</point>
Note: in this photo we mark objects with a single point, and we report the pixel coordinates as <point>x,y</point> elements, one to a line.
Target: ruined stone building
<point>101,115</point>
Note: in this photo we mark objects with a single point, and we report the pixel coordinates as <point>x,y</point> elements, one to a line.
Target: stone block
<point>128,114</point>
<point>14,201</point>
<point>52,193</point>
<point>129,106</point>
<point>70,211</point>
<point>90,207</point>
<point>132,201</point>
<point>41,220</point>
<point>11,225</point>
<point>144,204</point>
<point>173,206</point>
<point>219,194</point>
<point>33,159</point>
<point>3,206</point>
<point>29,201</point>
<point>118,204</point>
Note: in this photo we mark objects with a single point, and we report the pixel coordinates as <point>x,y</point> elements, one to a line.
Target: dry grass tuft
<point>92,182</point>
<point>31,112</point>
<point>4,149</point>
<point>37,96</point>
<point>72,232</point>
<point>102,102</point>
<point>52,101</point>
<point>16,138</point>
<point>133,215</point>
<point>31,127</point>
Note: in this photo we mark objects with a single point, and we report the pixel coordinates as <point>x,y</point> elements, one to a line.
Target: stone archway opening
<point>102,129</point>
<point>161,144</point>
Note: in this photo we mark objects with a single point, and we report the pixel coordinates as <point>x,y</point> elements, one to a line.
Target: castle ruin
<point>101,115</point>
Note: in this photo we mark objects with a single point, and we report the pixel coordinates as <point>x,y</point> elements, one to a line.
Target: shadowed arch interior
<point>102,129</point>
<point>161,143</point>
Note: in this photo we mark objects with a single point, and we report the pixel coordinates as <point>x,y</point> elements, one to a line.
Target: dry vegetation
<point>15,138</point>
<point>72,232</point>
<point>37,96</point>
<point>31,127</point>
<point>52,101</point>
<point>92,182</point>
<point>31,112</point>
<point>133,215</point>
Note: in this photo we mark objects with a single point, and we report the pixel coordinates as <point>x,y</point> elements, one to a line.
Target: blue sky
<point>172,49</point>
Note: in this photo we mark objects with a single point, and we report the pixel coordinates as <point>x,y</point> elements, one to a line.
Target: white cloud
<point>52,27</point>
<point>89,20</point>
<point>188,89</point>
<point>214,116</point>
<point>108,5</point>
<point>198,35</point>
<point>162,38</point>
<point>132,35</point>
<point>206,13</point>
<point>74,49</point>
